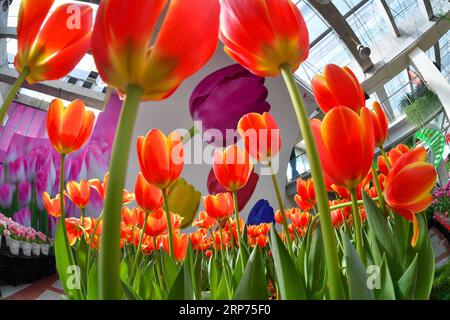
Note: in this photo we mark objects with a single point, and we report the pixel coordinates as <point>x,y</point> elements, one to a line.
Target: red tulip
<point>261,135</point>
<point>156,222</point>
<point>346,145</point>
<point>79,193</point>
<point>69,128</point>
<point>148,197</point>
<point>380,124</point>
<point>180,244</point>
<point>52,206</point>
<point>126,54</point>
<point>100,187</point>
<point>204,221</point>
<point>393,155</point>
<point>219,206</point>
<point>232,168</point>
<point>338,87</point>
<point>161,159</point>
<point>264,35</point>
<point>408,187</point>
<point>409,183</point>
<point>306,196</point>
<point>52,49</point>
<point>130,217</point>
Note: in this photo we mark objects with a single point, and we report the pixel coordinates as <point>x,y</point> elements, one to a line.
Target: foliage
<point>420,106</point>
<point>441,284</point>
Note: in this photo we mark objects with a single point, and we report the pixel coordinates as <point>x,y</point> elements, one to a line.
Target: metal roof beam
<point>335,19</point>
<point>388,16</point>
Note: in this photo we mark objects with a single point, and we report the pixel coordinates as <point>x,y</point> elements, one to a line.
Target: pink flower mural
<point>31,166</point>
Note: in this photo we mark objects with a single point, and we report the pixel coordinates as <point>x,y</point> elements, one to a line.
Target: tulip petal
<point>32,14</point>
<point>175,56</point>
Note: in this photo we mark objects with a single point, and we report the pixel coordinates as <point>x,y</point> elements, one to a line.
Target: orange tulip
<point>50,50</point>
<point>232,168</point>
<point>233,228</point>
<point>161,159</point>
<point>261,135</point>
<point>156,222</point>
<point>409,183</point>
<point>75,228</point>
<point>130,217</point>
<point>338,87</point>
<point>264,35</point>
<point>125,55</point>
<point>180,244</point>
<point>408,187</point>
<point>219,206</point>
<point>204,221</point>
<point>279,217</point>
<point>380,124</point>
<point>100,187</point>
<point>52,206</point>
<point>148,197</point>
<point>306,196</point>
<point>69,128</point>
<point>393,155</point>
<point>346,145</point>
<point>78,193</point>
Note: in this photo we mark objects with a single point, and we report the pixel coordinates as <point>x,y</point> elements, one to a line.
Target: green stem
<point>358,226</point>
<point>109,255</point>
<point>238,229</point>
<point>63,213</point>
<point>386,159</point>
<point>329,241</point>
<point>169,223</point>
<point>282,210</point>
<point>12,93</point>
<point>139,249</point>
<point>91,243</point>
<point>191,133</point>
<point>378,187</point>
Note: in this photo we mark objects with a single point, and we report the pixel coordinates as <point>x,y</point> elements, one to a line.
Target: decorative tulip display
<point>140,251</point>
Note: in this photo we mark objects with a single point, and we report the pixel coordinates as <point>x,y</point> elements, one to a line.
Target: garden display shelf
<point>17,270</point>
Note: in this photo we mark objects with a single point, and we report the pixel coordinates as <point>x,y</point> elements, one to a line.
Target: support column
<point>384,100</point>
<point>433,78</point>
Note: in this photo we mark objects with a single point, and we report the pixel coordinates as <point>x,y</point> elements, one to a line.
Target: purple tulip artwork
<point>31,166</point>
<point>222,98</point>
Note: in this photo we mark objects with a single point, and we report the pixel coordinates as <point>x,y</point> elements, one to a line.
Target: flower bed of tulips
<point>358,232</point>
<point>18,237</point>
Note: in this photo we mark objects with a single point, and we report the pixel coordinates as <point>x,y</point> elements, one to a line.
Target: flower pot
<point>14,247</point>
<point>45,249</point>
<point>26,249</point>
<point>7,238</point>
<point>1,239</point>
<point>36,249</point>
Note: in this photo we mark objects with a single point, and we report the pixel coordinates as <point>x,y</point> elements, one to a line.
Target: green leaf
<point>381,231</point>
<point>214,274</point>
<point>124,270</point>
<point>290,283</point>
<point>182,288</point>
<point>67,273</point>
<point>316,267</point>
<point>129,291</point>
<point>253,284</point>
<point>170,269</point>
<point>406,285</point>
<point>426,269</point>
<point>92,284</point>
<point>82,253</point>
<point>243,254</point>
<point>356,273</point>
<point>386,291</point>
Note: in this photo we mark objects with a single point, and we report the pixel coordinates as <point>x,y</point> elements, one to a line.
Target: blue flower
<point>262,212</point>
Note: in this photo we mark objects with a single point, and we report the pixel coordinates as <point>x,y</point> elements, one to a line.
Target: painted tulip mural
<point>164,239</point>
